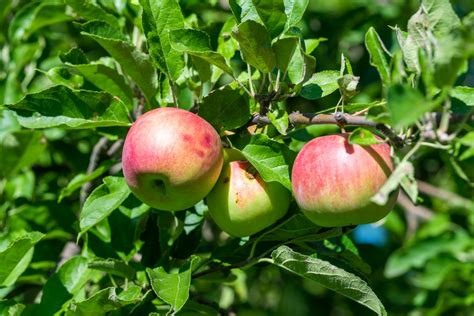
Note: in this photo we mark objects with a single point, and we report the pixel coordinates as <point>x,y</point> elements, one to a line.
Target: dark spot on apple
<point>200,153</point>
<point>187,138</point>
<point>226,180</point>
<point>160,186</point>
<point>207,140</point>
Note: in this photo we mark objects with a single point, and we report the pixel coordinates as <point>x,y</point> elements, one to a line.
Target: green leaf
<point>107,79</point>
<point>102,201</point>
<point>244,10</point>
<point>74,56</point>
<point>406,105</point>
<point>330,276</point>
<point>197,43</point>
<point>105,301</point>
<point>255,45</point>
<point>89,10</point>
<point>294,10</point>
<point>280,120</point>
<point>16,253</point>
<point>312,43</point>
<point>431,28</point>
<point>11,307</point>
<point>33,17</point>
<point>158,18</point>
<point>410,186</point>
<point>114,267</point>
<point>62,76</point>
<point>226,108</point>
<point>60,106</point>
<point>299,226</point>
<point>19,150</point>
<point>173,288</point>
<point>83,178</point>
<point>348,84</point>
<point>374,46</point>
<point>134,63</point>
<point>271,159</point>
<point>284,49</point>
<point>418,254</point>
<point>362,136</point>
<point>226,44</point>
<point>465,94</point>
<point>63,286</point>
<point>272,13</point>
<point>320,85</point>
<point>401,171</point>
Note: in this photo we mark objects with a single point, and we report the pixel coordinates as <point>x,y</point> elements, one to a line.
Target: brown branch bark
<point>93,162</point>
<point>451,197</point>
<point>340,119</point>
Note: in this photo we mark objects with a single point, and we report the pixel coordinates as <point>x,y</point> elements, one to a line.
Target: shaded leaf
<point>89,10</point>
<point>60,106</point>
<point>284,49</point>
<point>406,105</point>
<point>19,150</point>
<point>82,178</point>
<point>330,276</point>
<point>34,16</point>
<point>107,79</point>
<point>272,13</point>
<point>226,108</point>
<point>114,267</point>
<point>106,300</point>
<point>418,254</point>
<point>255,45</point>
<point>197,43</point>
<point>63,286</point>
<point>134,63</point>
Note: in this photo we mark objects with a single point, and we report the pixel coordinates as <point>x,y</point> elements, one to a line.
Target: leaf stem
<point>249,73</point>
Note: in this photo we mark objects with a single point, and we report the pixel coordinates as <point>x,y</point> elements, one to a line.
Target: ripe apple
<point>333,181</point>
<point>241,203</point>
<point>171,158</point>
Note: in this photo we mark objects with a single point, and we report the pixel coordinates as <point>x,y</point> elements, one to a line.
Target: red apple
<point>171,158</point>
<point>333,181</point>
<point>242,204</point>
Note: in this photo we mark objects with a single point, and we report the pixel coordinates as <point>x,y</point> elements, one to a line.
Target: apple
<point>171,158</point>
<point>333,181</point>
<point>241,203</point>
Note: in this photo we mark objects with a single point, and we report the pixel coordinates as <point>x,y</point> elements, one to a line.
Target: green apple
<point>171,158</point>
<point>241,203</point>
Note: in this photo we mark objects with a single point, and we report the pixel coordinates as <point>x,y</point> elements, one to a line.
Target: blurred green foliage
<point>425,267</point>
